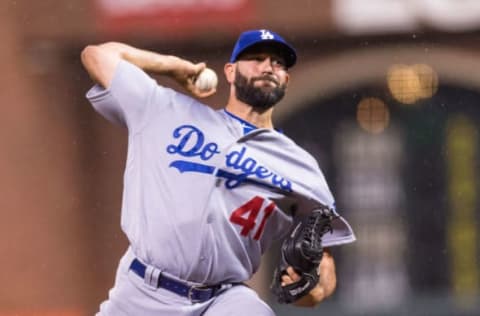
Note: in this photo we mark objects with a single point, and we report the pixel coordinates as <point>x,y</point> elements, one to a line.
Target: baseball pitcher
<point>207,191</point>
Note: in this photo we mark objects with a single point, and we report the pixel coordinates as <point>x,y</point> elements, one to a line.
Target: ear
<point>229,70</point>
<point>287,79</point>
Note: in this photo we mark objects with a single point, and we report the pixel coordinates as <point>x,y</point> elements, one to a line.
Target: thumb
<point>199,67</point>
<point>293,274</point>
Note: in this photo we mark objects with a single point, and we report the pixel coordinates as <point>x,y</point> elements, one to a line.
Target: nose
<point>266,65</point>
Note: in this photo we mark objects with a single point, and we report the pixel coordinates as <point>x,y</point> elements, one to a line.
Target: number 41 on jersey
<point>246,216</point>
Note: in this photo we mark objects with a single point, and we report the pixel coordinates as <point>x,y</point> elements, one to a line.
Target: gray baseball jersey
<point>205,193</point>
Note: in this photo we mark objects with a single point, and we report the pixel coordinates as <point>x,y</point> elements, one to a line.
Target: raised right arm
<point>101,60</point>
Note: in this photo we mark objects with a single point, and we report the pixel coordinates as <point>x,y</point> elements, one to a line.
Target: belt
<point>196,294</point>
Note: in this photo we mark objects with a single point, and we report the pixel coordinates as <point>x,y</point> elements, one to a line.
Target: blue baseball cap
<point>248,39</point>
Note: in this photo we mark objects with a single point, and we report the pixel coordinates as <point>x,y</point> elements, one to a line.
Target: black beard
<point>257,97</point>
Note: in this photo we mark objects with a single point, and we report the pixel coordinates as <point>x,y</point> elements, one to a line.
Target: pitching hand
<point>185,73</point>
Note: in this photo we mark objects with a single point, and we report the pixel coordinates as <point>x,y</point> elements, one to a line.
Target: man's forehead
<point>262,50</point>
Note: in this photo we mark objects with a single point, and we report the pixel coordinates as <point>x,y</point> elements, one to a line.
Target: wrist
<point>169,65</point>
<point>312,299</point>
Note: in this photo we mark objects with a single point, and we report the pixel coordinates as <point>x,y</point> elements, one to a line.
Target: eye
<point>256,58</point>
<point>277,62</point>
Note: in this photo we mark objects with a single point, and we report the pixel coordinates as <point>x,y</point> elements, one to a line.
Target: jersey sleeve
<point>127,100</point>
<point>314,191</point>
<point>342,232</point>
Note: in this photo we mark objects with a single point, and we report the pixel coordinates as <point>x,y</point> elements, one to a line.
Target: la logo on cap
<point>250,38</point>
<point>266,35</point>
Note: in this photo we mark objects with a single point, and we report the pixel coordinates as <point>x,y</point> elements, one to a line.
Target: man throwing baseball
<point>207,191</point>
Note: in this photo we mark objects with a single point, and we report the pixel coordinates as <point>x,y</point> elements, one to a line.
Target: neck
<point>261,119</point>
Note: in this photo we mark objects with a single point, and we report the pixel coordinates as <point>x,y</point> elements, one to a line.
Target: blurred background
<point>386,95</point>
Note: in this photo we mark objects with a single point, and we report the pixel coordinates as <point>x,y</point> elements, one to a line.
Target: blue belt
<point>194,293</point>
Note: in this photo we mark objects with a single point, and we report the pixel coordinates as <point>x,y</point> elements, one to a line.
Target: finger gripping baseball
<point>302,250</point>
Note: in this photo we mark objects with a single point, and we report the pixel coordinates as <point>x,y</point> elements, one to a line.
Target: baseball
<point>206,80</point>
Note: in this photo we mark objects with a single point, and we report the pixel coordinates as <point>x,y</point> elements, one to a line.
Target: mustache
<point>267,78</point>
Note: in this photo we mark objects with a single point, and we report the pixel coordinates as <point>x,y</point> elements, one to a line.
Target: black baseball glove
<point>302,249</point>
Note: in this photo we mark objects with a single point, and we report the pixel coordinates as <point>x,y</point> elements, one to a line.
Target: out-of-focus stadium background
<point>386,95</point>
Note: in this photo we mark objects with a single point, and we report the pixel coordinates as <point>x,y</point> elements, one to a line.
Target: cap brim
<point>287,52</point>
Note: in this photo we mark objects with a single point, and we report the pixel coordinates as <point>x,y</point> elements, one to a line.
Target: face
<point>260,78</point>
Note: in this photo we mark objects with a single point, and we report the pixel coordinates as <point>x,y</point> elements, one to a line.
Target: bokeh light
<point>373,115</point>
<point>410,83</point>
